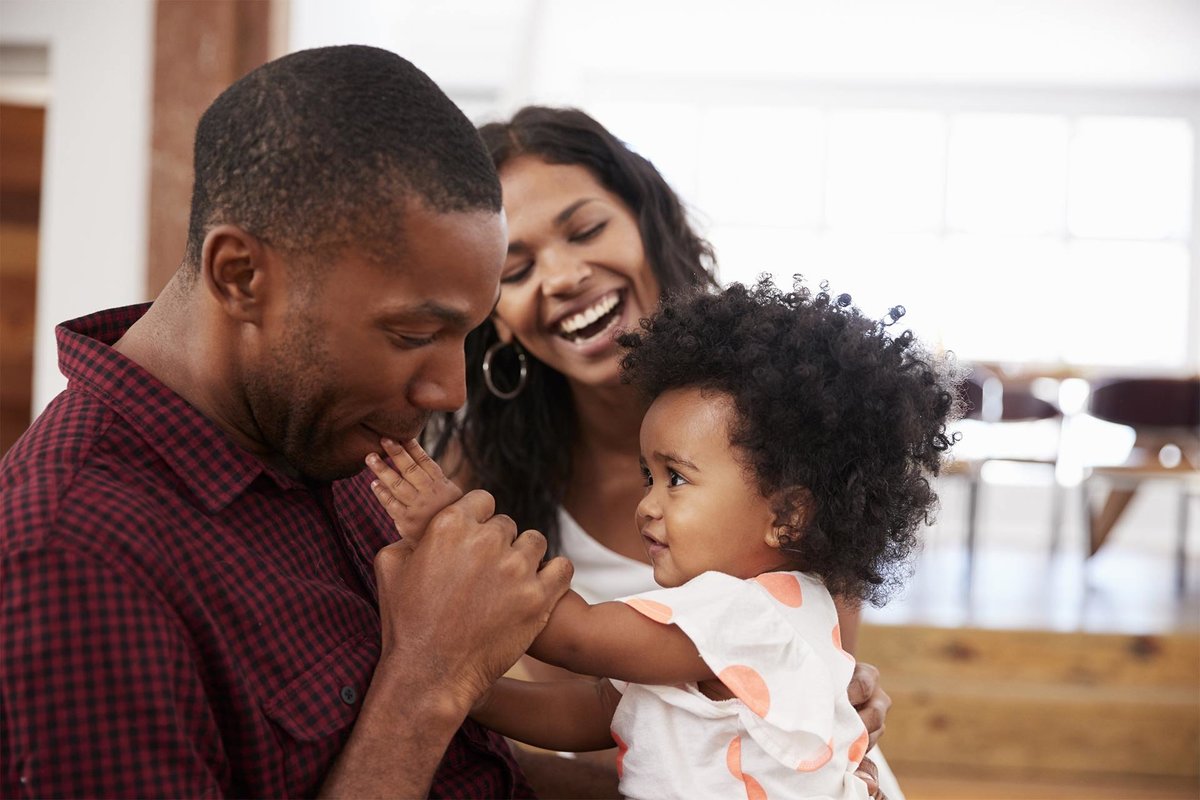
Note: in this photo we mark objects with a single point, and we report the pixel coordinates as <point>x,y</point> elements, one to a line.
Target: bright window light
<point>1125,303</point>
<point>1131,177</point>
<point>885,170</point>
<point>744,252</point>
<point>773,172</point>
<point>1004,298</point>
<point>1007,174</point>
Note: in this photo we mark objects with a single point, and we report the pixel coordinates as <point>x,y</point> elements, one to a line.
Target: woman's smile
<point>576,275</point>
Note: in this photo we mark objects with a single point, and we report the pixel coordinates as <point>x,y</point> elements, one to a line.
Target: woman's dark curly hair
<point>520,449</point>
<point>840,422</point>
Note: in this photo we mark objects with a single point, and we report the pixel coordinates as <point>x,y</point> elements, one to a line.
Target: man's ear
<point>794,510</point>
<point>503,331</point>
<point>235,266</point>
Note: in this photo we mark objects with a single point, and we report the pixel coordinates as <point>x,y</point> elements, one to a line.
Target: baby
<point>786,453</point>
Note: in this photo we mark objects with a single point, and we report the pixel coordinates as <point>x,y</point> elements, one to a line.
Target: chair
<point>995,403</point>
<point>1165,416</point>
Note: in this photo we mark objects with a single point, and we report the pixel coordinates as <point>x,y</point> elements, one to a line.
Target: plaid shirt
<point>178,619</point>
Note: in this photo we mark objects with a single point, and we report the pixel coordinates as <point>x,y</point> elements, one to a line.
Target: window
<point>1008,235</point>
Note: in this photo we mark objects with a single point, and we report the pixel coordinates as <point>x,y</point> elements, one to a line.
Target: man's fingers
<point>477,504</point>
<point>532,542</point>
<point>505,525</point>
<point>556,575</point>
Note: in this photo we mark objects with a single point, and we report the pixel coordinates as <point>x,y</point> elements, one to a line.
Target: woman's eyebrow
<point>566,213</point>
<point>519,246</point>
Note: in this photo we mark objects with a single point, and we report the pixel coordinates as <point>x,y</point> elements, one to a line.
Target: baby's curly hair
<point>840,422</point>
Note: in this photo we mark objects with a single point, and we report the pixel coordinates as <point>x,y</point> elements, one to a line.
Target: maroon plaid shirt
<point>178,619</point>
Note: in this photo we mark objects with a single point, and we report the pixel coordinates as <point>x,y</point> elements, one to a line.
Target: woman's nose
<point>564,273</point>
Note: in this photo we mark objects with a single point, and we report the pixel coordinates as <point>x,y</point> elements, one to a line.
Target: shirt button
<point>349,695</point>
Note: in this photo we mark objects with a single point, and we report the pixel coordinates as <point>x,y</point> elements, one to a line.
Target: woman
<point>596,239</point>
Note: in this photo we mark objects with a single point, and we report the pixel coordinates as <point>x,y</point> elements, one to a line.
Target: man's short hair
<point>319,149</point>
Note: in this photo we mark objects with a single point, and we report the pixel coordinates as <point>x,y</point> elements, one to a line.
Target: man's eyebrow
<point>430,309</point>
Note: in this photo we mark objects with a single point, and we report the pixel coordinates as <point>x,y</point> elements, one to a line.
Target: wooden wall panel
<point>22,132</point>
<point>201,46</point>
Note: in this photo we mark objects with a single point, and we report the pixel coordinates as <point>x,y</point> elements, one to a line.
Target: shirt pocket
<point>315,712</point>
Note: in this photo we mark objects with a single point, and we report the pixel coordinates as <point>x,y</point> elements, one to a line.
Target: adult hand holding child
<point>451,545</point>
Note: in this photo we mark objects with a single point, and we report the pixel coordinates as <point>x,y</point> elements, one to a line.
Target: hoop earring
<point>487,371</point>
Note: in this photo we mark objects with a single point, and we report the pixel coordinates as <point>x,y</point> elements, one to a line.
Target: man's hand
<point>457,608</point>
<point>460,607</point>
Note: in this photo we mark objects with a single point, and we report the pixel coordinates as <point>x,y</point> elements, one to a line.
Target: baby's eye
<point>674,478</point>
<point>647,480</point>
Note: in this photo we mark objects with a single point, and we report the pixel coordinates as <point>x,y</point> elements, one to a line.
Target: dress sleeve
<point>745,632</point>
<point>100,692</point>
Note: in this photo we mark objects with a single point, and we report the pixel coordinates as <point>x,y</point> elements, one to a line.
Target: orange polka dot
<point>733,757</point>
<point>754,790</point>
<point>748,686</point>
<point>783,586</point>
<point>837,642</point>
<point>659,612</point>
<point>821,759</point>
<point>622,749</point>
<point>859,748</point>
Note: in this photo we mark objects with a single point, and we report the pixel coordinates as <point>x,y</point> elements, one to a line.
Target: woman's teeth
<point>583,325</point>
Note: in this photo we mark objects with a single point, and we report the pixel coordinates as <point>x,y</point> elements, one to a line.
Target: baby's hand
<point>414,491</point>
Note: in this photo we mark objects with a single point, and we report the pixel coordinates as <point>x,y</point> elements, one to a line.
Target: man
<point>187,595</point>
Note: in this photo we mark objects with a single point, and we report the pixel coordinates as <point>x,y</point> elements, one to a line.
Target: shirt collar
<point>214,469</point>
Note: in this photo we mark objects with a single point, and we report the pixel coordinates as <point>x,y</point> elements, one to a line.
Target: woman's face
<point>576,273</point>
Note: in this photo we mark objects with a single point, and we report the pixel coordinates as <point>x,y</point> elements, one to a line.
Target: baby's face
<point>702,510</point>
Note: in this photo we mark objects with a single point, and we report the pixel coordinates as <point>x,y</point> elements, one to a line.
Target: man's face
<point>370,350</point>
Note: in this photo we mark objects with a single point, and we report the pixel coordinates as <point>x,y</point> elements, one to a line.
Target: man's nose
<point>441,385</point>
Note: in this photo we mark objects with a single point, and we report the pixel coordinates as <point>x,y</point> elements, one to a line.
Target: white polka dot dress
<point>789,731</point>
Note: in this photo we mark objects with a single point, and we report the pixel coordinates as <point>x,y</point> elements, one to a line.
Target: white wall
<point>552,50</point>
<point>92,251</point>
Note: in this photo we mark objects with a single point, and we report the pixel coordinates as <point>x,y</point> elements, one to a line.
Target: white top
<point>789,732</point>
<point>600,574</point>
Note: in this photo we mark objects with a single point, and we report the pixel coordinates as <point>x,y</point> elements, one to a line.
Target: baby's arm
<point>414,491</point>
<point>573,715</point>
<point>609,639</point>
<point>614,640</point>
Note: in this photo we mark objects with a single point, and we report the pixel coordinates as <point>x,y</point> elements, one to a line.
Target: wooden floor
<point>1015,581</point>
<point>1027,673</point>
<point>985,785</point>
